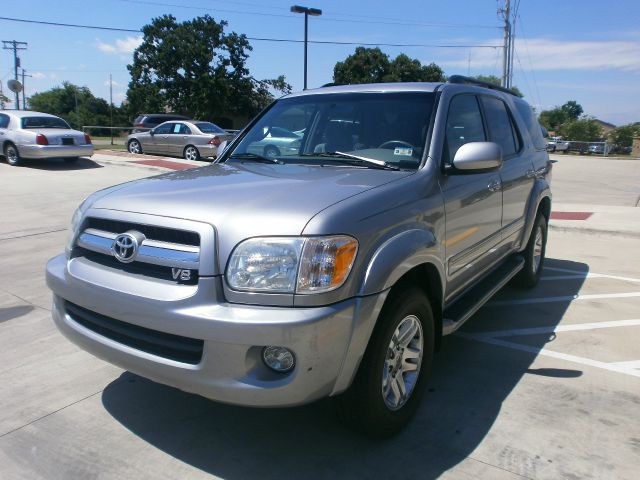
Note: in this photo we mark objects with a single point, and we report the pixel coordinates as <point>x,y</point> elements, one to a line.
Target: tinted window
<point>44,122</point>
<point>4,120</point>
<point>464,125</point>
<point>282,133</point>
<point>530,120</point>
<point>208,127</point>
<point>501,128</point>
<point>164,128</point>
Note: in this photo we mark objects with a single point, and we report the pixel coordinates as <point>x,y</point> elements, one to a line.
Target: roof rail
<point>480,83</point>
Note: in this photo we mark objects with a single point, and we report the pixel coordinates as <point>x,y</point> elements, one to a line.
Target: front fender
<point>396,256</point>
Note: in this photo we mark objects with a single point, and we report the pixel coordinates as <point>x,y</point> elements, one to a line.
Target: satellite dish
<point>14,85</point>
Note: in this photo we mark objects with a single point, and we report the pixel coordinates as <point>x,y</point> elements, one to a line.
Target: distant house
<point>607,127</point>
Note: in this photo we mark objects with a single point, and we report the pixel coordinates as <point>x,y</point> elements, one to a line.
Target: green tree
<point>623,135</point>
<point>3,100</point>
<point>372,65</point>
<point>195,68</point>
<point>572,109</point>
<point>584,129</point>
<point>77,105</point>
<point>496,81</point>
<point>553,119</point>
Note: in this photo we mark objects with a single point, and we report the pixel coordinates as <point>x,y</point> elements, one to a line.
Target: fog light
<point>279,359</point>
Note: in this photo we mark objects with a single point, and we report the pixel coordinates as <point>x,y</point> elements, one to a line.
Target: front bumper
<point>55,151</point>
<point>328,342</point>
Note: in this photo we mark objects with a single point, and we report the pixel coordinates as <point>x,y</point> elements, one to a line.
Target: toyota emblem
<point>125,247</point>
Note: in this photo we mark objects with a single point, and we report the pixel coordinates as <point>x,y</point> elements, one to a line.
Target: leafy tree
<point>584,129</point>
<point>495,80</point>
<point>78,106</point>
<point>372,65</point>
<point>553,119</point>
<point>623,135</point>
<point>3,100</point>
<point>195,68</point>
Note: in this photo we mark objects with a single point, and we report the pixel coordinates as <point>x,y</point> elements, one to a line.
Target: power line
<point>324,18</point>
<point>258,39</point>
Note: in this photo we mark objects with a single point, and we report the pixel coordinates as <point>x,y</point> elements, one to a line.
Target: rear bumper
<point>55,151</point>
<point>327,341</point>
<point>207,150</point>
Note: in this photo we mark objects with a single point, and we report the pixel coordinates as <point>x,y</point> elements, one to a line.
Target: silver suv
<point>333,269</point>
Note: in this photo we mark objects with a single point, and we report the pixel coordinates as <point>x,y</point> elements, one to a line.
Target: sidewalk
<point>596,219</point>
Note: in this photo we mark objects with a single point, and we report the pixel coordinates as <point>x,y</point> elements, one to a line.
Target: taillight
<point>139,125</point>
<point>87,139</point>
<point>41,139</point>
<point>215,141</point>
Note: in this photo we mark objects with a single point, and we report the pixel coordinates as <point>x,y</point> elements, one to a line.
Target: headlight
<point>76,220</point>
<point>292,264</point>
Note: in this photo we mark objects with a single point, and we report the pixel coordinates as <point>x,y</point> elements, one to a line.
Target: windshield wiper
<point>254,157</point>
<point>356,158</point>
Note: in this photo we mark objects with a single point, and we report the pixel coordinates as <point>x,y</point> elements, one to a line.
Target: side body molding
<point>397,255</point>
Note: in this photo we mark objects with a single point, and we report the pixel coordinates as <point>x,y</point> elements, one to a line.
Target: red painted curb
<point>166,164</point>
<point>570,215</point>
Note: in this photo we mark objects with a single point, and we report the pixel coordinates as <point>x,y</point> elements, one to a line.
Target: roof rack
<point>480,83</point>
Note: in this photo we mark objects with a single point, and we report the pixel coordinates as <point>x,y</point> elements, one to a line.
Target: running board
<point>463,308</point>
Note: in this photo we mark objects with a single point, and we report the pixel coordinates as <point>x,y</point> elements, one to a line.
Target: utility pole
<point>506,53</point>
<point>315,12</point>
<point>111,104</point>
<point>15,46</point>
<point>24,95</point>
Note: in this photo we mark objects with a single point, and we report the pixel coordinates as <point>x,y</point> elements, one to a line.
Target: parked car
<point>334,271</point>
<point>191,139</point>
<point>556,144</point>
<point>146,121</point>
<point>28,135</point>
<point>276,141</point>
<point>600,148</point>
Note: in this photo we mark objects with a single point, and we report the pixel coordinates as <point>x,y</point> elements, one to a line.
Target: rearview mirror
<point>478,156</point>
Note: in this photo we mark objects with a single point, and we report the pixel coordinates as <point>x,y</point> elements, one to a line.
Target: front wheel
<point>134,147</point>
<point>390,381</point>
<point>12,155</point>
<point>534,253</point>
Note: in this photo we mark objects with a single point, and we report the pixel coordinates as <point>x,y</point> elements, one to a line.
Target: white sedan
<point>28,135</point>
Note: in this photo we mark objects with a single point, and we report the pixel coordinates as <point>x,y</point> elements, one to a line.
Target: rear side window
<point>181,128</point>
<point>501,128</point>
<point>464,125</point>
<point>4,120</point>
<point>533,127</point>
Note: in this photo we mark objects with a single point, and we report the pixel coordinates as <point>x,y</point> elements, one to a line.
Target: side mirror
<point>152,132</point>
<point>478,156</point>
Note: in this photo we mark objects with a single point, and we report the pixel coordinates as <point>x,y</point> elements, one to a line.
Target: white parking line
<point>613,367</point>
<point>583,274</point>
<point>566,298</point>
<point>559,328</point>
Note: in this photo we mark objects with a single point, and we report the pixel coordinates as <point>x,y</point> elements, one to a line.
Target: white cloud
<point>547,54</point>
<point>37,75</point>
<point>121,45</point>
<point>113,82</point>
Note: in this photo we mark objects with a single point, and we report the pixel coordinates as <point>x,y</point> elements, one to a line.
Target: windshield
<point>388,127</point>
<point>44,122</point>
<point>208,127</point>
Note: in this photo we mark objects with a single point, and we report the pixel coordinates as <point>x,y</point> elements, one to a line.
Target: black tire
<point>191,153</point>
<point>533,254</point>
<point>270,151</point>
<point>12,155</point>
<point>364,406</point>
<point>134,146</point>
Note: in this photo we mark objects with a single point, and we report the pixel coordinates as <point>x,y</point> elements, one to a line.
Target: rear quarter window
<point>533,127</point>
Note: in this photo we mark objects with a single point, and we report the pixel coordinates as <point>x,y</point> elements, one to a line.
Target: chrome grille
<point>156,257</point>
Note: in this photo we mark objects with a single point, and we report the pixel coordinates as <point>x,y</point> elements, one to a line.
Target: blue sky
<point>584,50</point>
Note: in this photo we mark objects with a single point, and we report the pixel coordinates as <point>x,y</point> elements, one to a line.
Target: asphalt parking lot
<point>542,384</point>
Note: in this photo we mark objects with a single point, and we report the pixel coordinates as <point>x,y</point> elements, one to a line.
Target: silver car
<point>29,135</point>
<point>188,139</point>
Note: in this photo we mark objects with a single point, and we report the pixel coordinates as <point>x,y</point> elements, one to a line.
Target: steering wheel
<point>393,143</point>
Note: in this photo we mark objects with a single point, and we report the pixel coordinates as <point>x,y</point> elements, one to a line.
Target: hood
<point>247,198</point>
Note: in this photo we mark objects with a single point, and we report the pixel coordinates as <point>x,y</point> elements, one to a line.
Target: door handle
<point>494,185</point>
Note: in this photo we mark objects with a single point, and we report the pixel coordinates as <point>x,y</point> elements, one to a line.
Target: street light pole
<point>307,11</point>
